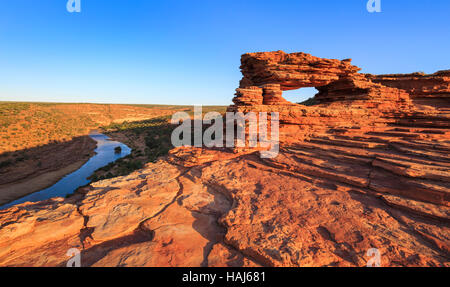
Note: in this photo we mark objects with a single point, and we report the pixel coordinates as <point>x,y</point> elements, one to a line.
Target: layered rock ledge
<point>367,167</point>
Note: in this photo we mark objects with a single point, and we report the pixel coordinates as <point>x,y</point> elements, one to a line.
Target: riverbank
<point>148,139</point>
<point>14,191</point>
<point>36,169</point>
<point>30,170</point>
<point>105,153</point>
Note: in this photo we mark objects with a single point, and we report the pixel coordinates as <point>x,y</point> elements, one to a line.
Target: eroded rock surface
<point>433,90</point>
<point>367,167</point>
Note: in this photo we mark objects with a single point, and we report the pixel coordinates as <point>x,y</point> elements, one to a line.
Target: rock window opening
<point>302,96</point>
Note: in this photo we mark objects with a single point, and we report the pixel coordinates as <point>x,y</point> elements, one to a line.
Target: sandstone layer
<point>432,90</point>
<point>367,167</point>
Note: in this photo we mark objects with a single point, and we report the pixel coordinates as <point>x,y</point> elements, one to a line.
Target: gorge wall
<point>366,167</point>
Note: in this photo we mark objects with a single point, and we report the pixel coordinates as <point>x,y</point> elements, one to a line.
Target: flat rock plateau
<point>366,167</point>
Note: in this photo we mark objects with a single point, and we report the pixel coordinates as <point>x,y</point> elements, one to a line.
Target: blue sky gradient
<point>188,52</point>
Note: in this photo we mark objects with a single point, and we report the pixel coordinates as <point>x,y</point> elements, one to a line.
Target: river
<point>105,154</point>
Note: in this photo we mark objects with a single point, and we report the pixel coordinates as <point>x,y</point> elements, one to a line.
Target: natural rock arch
<point>304,96</point>
<point>267,75</point>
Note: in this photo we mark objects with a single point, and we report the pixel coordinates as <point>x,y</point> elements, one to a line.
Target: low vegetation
<point>26,127</point>
<point>309,102</point>
<point>149,140</point>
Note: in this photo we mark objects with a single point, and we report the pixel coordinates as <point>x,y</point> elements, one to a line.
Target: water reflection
<point>106,153</point>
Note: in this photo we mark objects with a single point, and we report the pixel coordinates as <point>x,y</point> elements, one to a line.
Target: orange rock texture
<point>432,90</point>
<point>367,167</point>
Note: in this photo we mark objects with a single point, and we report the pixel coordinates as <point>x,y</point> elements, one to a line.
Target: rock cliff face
<point>292,71</point>
<point>432,90</point>
<point>367,167</point>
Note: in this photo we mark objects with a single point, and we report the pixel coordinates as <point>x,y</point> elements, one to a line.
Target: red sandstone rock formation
<point>424,89</point>
<point>292,71</point>
<point>367,167</point>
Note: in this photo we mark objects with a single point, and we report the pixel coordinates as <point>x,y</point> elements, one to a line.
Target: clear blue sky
<point>188,52</point>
